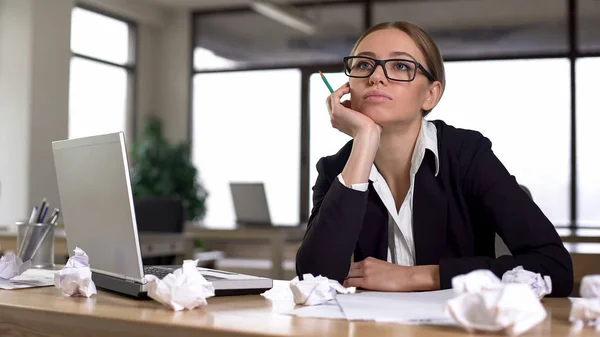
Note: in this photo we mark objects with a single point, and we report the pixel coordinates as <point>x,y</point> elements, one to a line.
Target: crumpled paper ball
<point>185,288</point>
<point>75,279</point>
<point>484,303</point>
<point>590,286</point>
<point>541,286</point>
<point>475,281</point>
<point>12,266</point>
<point>585,311</point>
<point>316,290</point>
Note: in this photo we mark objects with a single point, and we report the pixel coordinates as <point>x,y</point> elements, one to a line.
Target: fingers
<point>357,265</point>
<point>358,282</point>
<point>341,91</point>
<point>356,272</point>
<point>337,95</point>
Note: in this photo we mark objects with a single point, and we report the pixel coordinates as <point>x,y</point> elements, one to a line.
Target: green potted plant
<point>160,169</point>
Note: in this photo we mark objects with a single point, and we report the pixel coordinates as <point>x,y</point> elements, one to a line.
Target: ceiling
<point>461,28</point>
<point>208,4</point>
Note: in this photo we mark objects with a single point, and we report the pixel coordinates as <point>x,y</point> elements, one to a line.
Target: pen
<point>32,216</point>
<point>54,218</point>
<point>49,218</point>
<point>326,82</point>
<point>41,209</point>
<point>48,229</point>
<point>44,212</point>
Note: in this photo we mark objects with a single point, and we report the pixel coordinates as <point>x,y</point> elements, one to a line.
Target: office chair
<point>159,215</point>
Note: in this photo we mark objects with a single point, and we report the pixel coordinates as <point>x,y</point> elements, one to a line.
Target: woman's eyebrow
<point>392,54</point>
<point>401,53</point>
<point>366,53</point>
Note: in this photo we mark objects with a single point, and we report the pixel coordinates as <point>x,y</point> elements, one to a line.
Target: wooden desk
<point>275,237</point>
<point>46,312</point>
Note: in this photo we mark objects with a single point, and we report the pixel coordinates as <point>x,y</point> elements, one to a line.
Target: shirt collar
<point>431,141</point>
<point>426,140</point>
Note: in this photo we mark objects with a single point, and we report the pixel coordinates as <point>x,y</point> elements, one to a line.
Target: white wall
<point>15,94</point>
<point>34,77</point>
<point>49,109</point>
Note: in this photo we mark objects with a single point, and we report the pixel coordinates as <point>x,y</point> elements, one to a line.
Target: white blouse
<point>401,246</point>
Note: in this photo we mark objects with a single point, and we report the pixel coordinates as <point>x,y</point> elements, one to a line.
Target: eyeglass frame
<point>382,63</point>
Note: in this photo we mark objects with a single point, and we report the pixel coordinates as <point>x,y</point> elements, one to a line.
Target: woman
<point>416,202</point>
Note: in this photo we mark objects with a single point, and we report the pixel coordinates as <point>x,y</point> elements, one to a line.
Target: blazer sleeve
<point>333,227</point>
<point>527,232</point>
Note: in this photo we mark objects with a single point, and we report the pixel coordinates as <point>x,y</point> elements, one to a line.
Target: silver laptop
<point>99,217</point>
<point>250,204</point>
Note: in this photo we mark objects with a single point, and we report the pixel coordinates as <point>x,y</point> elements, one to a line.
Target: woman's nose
<point>378,75</point>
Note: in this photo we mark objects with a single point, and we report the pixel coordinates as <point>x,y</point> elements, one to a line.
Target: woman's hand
<point>345,119</point>
<point>374,274</point>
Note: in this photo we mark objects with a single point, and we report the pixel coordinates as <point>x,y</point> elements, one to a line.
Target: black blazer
<point>455,218</point>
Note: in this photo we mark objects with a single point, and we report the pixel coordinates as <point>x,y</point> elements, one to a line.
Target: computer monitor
<point>250,203</point>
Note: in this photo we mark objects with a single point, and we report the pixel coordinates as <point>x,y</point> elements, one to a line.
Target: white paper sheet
<point>31,278</point>
<point>406,308</point>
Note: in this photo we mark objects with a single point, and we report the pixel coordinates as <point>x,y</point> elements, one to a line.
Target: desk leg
<point>277,245</point>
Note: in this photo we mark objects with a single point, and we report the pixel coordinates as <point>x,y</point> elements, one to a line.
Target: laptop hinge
<point>129,279</point>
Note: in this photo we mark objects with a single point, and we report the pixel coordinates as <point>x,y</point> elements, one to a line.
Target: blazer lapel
<point>429,214</point>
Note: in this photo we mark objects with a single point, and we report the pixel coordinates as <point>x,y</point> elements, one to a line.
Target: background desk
<point>252,250</point>
<point>276,246</point>
<point>46,312</point>
<point>151,244</point>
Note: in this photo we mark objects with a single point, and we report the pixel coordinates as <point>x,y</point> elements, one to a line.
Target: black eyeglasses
<point>394,69</point>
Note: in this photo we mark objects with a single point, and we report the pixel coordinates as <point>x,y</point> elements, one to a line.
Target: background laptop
<point>98,213</point>
<point>250,204</point>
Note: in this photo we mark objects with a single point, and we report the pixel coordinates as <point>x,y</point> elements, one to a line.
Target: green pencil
<point>326,83</point>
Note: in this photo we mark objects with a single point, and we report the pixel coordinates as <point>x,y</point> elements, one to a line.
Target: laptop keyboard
<point>162,272</point>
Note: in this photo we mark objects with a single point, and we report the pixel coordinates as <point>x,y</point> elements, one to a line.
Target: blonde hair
<point>434,62</point>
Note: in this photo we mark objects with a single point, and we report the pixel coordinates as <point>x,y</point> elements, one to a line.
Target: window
<point>588,139</point>
<point>523,107</point>
<point>508,66</point>
<point>482,28</point>
<point>324,139</point>
<point>244,39</point>
<point>102,74</point>
<point>98,97</point>
<point>589,25</point>
<point>246,128</point>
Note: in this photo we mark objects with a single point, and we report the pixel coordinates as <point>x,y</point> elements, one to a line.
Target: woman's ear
<point>433,96</point>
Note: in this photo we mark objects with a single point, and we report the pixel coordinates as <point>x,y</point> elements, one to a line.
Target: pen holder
<point>35,242</point>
